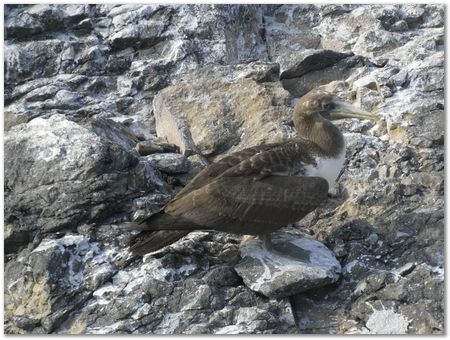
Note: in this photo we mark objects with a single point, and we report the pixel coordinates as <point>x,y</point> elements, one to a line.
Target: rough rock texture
<point>291,264</point>
<point>59,174</point>
<point>213,110</point>
<point>77,284</point>
<point>89,87</point>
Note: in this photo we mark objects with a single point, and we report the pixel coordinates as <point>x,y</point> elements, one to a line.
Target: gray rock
<point>142,126</point>
<point>170,163</point>
<point>296,264</point>
<point>30,60</point>
<point>60,174</point>
<point>213,71</point>
<point>23,22</point>
<point>46,284</point>
<point>145,33</point>
<point>353,22</point>
<point>373,41</point>
<point>285,30</point>
<point>309,61</point>
<point>149,205</point>
<point>403,319</point>
<point>297,87</point>
<point>150,146</point>
<point>400,26</point>
<point>168,293</point>
<point>114,132</point>
<point>412,14</point>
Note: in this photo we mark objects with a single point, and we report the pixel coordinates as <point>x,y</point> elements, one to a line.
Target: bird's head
<point>312,119</point>
<point>319,105</point>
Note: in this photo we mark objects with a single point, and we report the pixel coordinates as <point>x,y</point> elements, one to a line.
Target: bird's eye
<point>329,106</point>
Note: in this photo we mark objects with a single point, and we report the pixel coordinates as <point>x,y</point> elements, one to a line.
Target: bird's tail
<point>162,221</point>
<point>159,231</point>
<point>149,241</point>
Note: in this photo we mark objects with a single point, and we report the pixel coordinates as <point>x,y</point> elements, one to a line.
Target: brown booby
<point>263,188</point>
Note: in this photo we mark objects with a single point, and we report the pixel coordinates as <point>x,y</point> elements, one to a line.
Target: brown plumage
<point>257,190</point>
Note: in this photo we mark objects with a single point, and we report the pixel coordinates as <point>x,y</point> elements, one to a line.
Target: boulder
<point>220,110</point>
<point>59,174</point>
<point>291,264</point>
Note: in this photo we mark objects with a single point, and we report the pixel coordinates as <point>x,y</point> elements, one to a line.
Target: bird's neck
<point>324,134</point>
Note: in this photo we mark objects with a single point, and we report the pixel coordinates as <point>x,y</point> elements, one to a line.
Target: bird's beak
<point>344,110</point>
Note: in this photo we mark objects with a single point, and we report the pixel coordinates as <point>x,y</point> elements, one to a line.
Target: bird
<point>260,189</point>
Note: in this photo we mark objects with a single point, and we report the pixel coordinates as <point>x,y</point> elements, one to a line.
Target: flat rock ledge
<point>293,264</point>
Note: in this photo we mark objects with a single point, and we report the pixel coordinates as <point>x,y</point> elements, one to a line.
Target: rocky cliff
<point>111,109</point>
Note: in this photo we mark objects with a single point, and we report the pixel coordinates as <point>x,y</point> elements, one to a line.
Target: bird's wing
<point>216,169</point>
<point>148,241</point>
<point>204,177</point>
<point>279,158</point>
<point>248,206</point>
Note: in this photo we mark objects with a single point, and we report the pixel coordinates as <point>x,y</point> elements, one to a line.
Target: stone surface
<point>221,109</point>
<point>150,146</point>
<point>85,84</point>
<point>76,285</point>
<point>292,264</point>
<point>309,61</point>
<point>59,173</point>
<point>170,163</point>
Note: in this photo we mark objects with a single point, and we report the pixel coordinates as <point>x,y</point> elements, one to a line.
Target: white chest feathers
<point>328,168</point>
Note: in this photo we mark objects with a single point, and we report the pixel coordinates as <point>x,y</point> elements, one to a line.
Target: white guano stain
<point>387,322</point>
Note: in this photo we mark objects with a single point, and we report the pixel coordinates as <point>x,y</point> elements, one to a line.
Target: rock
<point>146,33</point>
<point>141,126</point>
<point>149,205</point>
<point>387,15</point>
<point>295,264</point>
<point>197,164</point>
<point>149,146</point>
<point>40,18</point>
<point>387,322</point>
<point>191,293</point>
<point>226,111</point>
<point>298,87</point>
<point>114,132</point>
<point>368,82</point>
<point>310,60</point>
<point>260,72</point>
<point>373,41</point>
<point>341,29</point>
<point>29,60</point>
<point>412,14</point>
<point>371,283</point>
<point>85,84</point>
<point>402,319</point>
<point>400,26</point>
<point>53,287</point>
<point>286,30</point>
<point>60,174</point>
<point>170,163</point>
